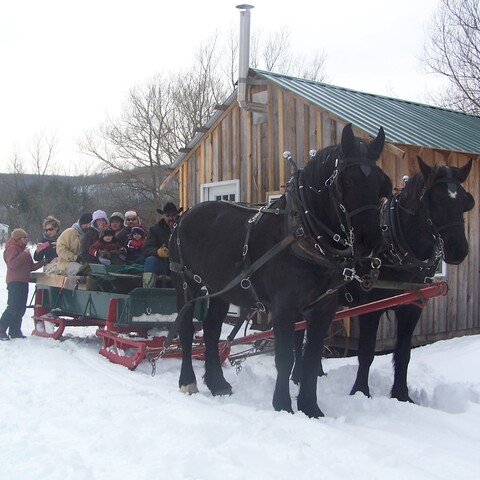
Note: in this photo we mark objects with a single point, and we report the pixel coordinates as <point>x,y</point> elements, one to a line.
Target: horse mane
<point>321,166</point>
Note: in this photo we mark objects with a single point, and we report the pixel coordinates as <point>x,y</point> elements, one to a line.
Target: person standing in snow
<point>19,265</point>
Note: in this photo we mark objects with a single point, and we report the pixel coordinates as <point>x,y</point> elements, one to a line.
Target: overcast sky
<point>66,65</point>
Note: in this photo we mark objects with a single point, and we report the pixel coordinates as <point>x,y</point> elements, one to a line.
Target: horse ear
<point>348,140</point>
<point>376,146</point>
<point>464,171</point>
<point>424,168</point>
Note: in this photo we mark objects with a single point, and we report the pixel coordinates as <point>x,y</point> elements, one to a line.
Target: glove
<point>104,261</point>
<point>162,252</point>
<point>100,253</point>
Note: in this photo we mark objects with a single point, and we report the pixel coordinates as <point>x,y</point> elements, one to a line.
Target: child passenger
<point>107,250</point>
<point>135,245</point>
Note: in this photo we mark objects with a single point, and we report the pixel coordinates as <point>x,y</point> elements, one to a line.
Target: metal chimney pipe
<point>243,61</point>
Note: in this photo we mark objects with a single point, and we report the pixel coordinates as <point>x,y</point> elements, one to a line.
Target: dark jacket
<point>49,253</point>
<point>158,235</point>
<point>90,237</point>
<point>123,236</point>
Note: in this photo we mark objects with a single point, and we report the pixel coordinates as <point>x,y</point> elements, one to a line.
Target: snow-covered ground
<point>67,413</point>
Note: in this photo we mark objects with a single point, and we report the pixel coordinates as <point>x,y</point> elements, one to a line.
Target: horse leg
<point>366,350</point>
<point>407,319</point>
<point>318,319</point>
<point>212,328</point>
<point>284,329</point>
<point>187,381</point>
<point>298,350</point>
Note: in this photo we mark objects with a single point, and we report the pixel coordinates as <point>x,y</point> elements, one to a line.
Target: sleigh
<point>133,324</point>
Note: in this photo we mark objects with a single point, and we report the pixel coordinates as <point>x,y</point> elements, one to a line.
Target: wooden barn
<point>238,156</point>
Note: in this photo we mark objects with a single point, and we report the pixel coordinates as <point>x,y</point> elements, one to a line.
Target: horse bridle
<point>399,251</point>
<point>315,228</point>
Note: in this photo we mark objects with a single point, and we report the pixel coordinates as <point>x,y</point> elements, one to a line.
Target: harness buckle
<point>246,283</point>
<point>197,278</point>
<point>299,232</point>
<point>261,307</point>
<point>336,238</point>
<point>245,250</point>
<point>348,274</point>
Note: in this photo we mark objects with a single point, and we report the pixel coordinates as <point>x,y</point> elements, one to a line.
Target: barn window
<point>228,190</point>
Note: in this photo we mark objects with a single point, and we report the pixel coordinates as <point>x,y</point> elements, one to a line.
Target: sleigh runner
<point>132,326</point>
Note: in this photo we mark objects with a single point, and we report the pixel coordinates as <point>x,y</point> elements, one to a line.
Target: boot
<point>4,336</point>
<point>149,279</point>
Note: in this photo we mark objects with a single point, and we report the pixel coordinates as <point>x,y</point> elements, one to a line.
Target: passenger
<point>155,249</point>
<point>19,265</point>
<point>135,246</point>
<point>68,245</point>
<point>116,221</point>
<point>132,219</point>
<point>46,249</point>
<point>107,250</point>
<point>99,223</point>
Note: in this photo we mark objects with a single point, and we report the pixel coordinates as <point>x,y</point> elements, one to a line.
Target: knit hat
<point>169,208</point>
<point>85,218</point>
<point>108,232</point>
<point>18,233</point>
<point>99,214</point>
<point>117,215</point>
<point>139,230</point>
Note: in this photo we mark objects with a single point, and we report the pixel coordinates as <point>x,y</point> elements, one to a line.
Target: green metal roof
<point>405,122</point>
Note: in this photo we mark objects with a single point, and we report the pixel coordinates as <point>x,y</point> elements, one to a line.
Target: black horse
<point>425,224</point>
<point>282,259</point>
<point>422,224</point>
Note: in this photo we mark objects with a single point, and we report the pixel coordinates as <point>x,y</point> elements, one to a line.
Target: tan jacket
<point>68,247</point>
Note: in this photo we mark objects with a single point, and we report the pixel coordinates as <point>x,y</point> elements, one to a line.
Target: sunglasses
<point>171,215</point>
<point>49,229</point>
<point>131,219</point>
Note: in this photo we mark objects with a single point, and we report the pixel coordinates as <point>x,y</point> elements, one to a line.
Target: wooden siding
<point>249,147</point>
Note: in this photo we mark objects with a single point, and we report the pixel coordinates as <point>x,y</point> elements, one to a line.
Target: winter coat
<point>49,253</point>
<point>158,235</point>
<point>90,237</point>
<point>19,262</point>
<point>113,251</point>
<point>123,236</point>
<point>68,246</point>
<point>134,249</point>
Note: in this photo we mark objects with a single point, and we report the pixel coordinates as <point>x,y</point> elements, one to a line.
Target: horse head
<point>446,201</point>
<point>348,173</point>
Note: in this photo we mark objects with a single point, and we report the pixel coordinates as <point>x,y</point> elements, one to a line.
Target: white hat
<point>98,214</point>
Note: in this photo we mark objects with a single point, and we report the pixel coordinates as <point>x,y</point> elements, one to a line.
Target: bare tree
<point>42,152</point>
<point>453,50</point>
<point>138,141</point>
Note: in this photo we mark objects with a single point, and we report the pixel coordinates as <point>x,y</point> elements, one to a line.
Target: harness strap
<point>242,276</point>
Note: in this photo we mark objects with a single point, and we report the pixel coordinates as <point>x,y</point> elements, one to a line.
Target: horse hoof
<point>189,389</point>
<point>314,413</point>
<point>223,391</point>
